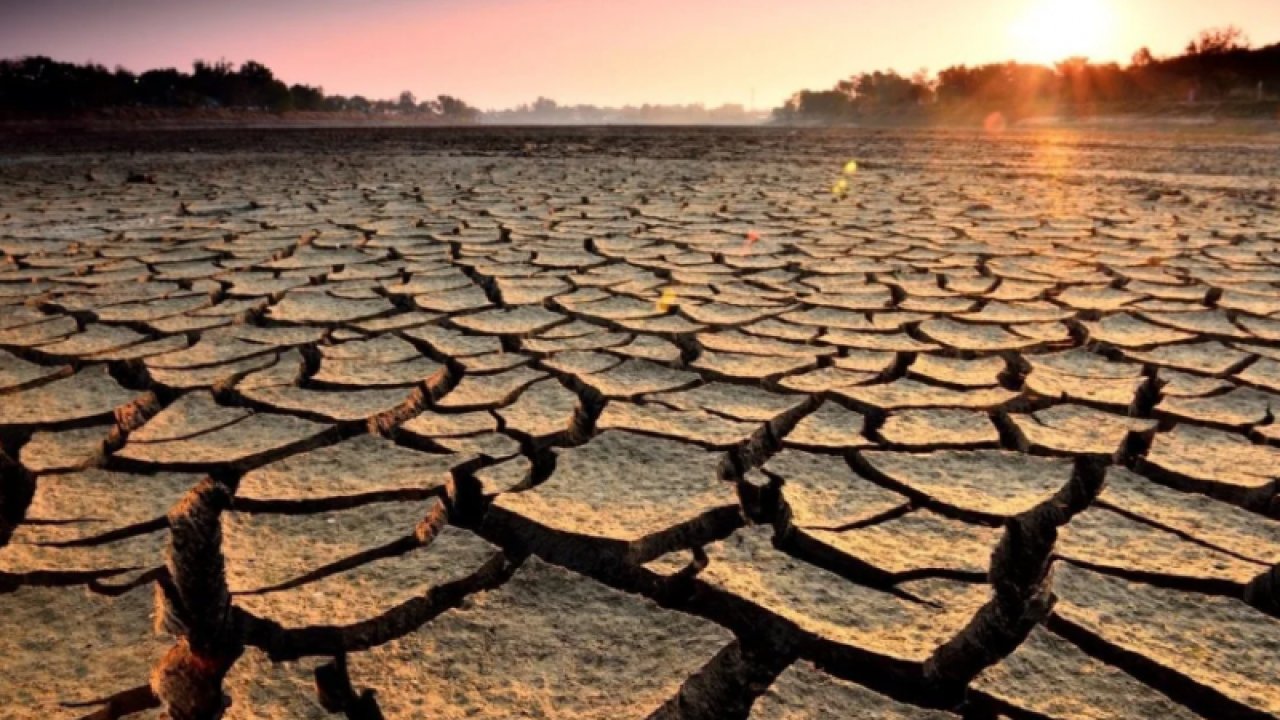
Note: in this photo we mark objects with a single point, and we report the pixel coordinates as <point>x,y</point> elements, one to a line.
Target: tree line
<point>41,86</point>
<point>1218,66</point>
<point>545,111</point>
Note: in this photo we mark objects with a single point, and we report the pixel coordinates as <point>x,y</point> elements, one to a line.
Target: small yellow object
<point>841,187</point>
<point>851,167</point>
<point>667,300</point>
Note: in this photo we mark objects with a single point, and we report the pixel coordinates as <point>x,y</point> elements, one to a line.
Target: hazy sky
<point>496,53</point>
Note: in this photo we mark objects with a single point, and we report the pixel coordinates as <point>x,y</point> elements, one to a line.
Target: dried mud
<point>624,423</point>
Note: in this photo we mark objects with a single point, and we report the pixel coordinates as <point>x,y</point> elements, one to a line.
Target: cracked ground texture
<point>639,424</point>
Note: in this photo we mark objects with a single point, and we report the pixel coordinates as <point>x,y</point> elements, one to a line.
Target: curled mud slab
<point>625,423</point>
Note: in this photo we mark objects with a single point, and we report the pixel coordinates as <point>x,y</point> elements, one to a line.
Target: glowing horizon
<point>500,53</point>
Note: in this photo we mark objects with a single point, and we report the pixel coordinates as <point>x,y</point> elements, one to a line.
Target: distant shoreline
<point>207,119</point>
<point>626,143</point>
<point>251,121</point>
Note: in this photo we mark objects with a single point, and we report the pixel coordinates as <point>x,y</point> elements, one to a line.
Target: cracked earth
<point>639,424</point>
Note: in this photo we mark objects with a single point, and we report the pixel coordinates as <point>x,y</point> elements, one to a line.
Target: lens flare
<point>667,300</point>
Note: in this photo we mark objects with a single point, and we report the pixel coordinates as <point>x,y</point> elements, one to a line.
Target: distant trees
<point>252,86</point>
<point>455,109</point>
<point>827,105</point>
<point>865,94</point>
<point>39,85</point>
<point>546,111</point>
<point>305,97</point>
<point>887,89</point>
<point>1218,65</point>
<point>1218,40</point>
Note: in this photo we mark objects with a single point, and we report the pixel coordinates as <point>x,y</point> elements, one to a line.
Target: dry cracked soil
<point>620,423</point>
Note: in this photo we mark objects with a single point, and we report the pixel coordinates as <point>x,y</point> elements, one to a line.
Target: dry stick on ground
<point>196,606</point>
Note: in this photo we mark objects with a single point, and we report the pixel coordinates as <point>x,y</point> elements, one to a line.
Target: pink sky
<point>497,53</point>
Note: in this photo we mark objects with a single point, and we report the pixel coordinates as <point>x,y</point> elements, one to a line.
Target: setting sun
<point>1052,30</point>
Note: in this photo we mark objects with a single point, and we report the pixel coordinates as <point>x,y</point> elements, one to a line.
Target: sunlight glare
<point>1053,30</point>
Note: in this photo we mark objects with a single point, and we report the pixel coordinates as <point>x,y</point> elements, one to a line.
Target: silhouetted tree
<point>163,88</point>
<point>820,106</point>
<point>1218,40</point>
<point>304,97</point>
<point>455,110</point>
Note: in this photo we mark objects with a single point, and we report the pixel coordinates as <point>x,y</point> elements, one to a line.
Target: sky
<point>499,53</point>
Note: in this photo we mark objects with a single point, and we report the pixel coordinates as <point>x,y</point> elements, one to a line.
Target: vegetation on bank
<point>1217,70</point>
<point>43,87</point>
<point>1217,73</point>
<point>40,87</point>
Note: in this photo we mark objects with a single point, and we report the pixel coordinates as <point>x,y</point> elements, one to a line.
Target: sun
<point>1053,30</point>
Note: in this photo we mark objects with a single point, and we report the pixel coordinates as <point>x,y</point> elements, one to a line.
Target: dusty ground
<point>639,423</point>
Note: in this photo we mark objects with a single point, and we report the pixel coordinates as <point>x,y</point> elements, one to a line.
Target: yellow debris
<point>667,300</point>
